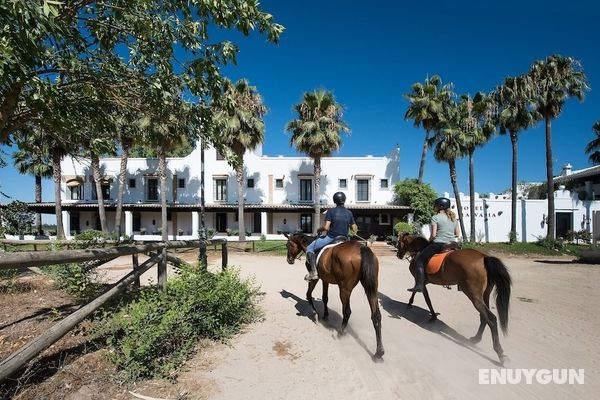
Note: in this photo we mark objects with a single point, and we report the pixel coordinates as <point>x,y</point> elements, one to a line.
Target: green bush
<point>551,244</point>
<point>403,227</point>
<point>417,196</point>
<point>80,280</point>
<point>155,333</point>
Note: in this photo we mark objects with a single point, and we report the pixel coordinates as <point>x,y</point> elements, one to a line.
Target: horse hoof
<point>475,340</point>
<point>504,360</point>
<point>433,318</point>
<point>379,355</point>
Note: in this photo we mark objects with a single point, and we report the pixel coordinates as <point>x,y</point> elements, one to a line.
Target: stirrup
<point>416,289</point>
<point>310,277</point>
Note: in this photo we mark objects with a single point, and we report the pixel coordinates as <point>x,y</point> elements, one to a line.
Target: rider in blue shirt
<point>337,222</point>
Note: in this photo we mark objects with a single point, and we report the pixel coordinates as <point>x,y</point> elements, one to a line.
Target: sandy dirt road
<point>554,323</point>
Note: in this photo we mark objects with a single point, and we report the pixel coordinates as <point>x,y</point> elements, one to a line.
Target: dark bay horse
<point>476,274</point>
<point>344,265</point>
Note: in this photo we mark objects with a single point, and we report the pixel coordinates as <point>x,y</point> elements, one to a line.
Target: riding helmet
<point>442,203</point>
<point>339,198</point>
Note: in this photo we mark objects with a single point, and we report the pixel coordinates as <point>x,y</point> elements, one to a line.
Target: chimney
<point>567,170</point>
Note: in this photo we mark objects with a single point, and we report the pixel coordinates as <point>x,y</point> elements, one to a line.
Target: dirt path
<point>553,324</point>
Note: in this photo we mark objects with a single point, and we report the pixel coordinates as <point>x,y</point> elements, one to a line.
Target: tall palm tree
<point>593,147</point>
<point>427,101</point>
<point>555,79</point>
<point>450,143</point>
<point>316,132</point>
<point>477,123</point>
<point>240,112</point>
<point>126,138</point>
<point>515,114</point>
<point>33,158</point>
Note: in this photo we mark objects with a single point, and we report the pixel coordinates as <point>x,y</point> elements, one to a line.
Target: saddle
<point>435,262</point>
<point>337,240</point>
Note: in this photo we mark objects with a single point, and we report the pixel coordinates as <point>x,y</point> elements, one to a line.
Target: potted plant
<point>142,231</point>
<point>180,232</point>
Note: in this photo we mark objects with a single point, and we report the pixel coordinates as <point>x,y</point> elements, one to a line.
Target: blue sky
<point>369,53</point>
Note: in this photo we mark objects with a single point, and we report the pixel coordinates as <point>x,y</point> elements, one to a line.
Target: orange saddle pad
<point>436,261</point>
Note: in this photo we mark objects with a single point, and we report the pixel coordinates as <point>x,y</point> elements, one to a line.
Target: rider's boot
<point>312,261</point>
<point>419,278</point>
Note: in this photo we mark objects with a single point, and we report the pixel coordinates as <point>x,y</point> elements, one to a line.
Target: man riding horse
<point>337,222</point>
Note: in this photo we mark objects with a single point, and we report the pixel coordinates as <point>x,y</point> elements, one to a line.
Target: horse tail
<point>368,273</point>
<point>498,274</point>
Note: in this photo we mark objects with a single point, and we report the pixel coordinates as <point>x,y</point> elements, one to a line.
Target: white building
<point>278,194</point>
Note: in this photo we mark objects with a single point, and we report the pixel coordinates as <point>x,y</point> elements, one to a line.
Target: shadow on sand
<point>333,323</point>
<point>420,316</point>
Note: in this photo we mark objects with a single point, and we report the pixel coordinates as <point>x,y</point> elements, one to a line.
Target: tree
<point>316,132</point>
<point>478,126</point>
<point>33,158</point>
<point>515,114</point>
<point>49,48</point>
<point>240,113</point>
<point>593,147</point>
<point>418,196</point>
<point>427,101</point>
<point>554,80</point>
<point>451,144</point>
<point>16,219</point>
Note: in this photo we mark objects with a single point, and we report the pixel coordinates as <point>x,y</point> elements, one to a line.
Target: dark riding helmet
<point>339,198</point>
<point>442,203</point>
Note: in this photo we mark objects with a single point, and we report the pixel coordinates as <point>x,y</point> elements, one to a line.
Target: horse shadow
<point>333,323</point>
<point>421,317</point>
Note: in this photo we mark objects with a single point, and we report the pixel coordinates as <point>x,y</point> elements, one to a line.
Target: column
<point>66,217</point>
<point>128,223</point>
<point>264,229</point>
<point>195,223</point>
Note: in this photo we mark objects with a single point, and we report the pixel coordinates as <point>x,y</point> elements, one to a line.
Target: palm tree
<point>33,158</point>
<point>427,101</point>
<point>450,143</point>
<point>555,79</point>
<point>478,126</point>
<point>515,114</point>
<point>316,132</point>
<point>95,148</point>
<point>126,138</point>
<point>593,147</point>
<point>240,112</point>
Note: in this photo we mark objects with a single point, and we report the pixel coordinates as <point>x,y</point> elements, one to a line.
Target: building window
<point>384,219</point>
<point>152,189</point>
<point>132,183</point>
<point>181,183</point>
<point>105,187</point>
<point>279,183</point>
<point>383,183</point>
<point>306,190</point>
<point>220,189</point>
<point>362,190</point>
<point>76,192</point>
<point>250,183</point>
<point>306,223</point>
<point>342,183</point>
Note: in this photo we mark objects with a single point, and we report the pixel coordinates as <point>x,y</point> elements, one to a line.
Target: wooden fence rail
<point>35,259</point>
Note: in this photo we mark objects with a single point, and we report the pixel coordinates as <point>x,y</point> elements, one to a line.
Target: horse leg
<point>325,300</point>
<point>376,318</point>
<point>410,302</point>
<point>428,301</point>
<point>489,317</point>
<point>311,287</point>
<point>346,311</point>
<point>482,321</point>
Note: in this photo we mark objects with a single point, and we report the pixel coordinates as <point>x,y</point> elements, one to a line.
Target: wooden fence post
<point>135,260</point>
<point>224,255</point>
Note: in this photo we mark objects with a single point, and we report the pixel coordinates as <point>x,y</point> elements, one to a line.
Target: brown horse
<point>476,274</point>
<point>344,265</point>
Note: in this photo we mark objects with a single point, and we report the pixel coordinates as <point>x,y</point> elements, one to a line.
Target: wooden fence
<point>40,259</point>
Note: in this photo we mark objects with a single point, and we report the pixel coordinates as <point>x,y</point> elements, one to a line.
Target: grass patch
<point>535,248</point>
<point>155,332</point>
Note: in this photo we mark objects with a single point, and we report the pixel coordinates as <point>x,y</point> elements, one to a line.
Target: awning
<point>75,182</point>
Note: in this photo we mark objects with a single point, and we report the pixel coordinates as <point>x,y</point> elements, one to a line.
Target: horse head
<point>296,244</point>
<point>410,244</point>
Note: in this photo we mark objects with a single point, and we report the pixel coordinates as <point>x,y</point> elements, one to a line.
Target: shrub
<point>403,227</point>
<point>80,279</point>
<point>552,244</point>
<point>155,333</point>
<point>417,196</point>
